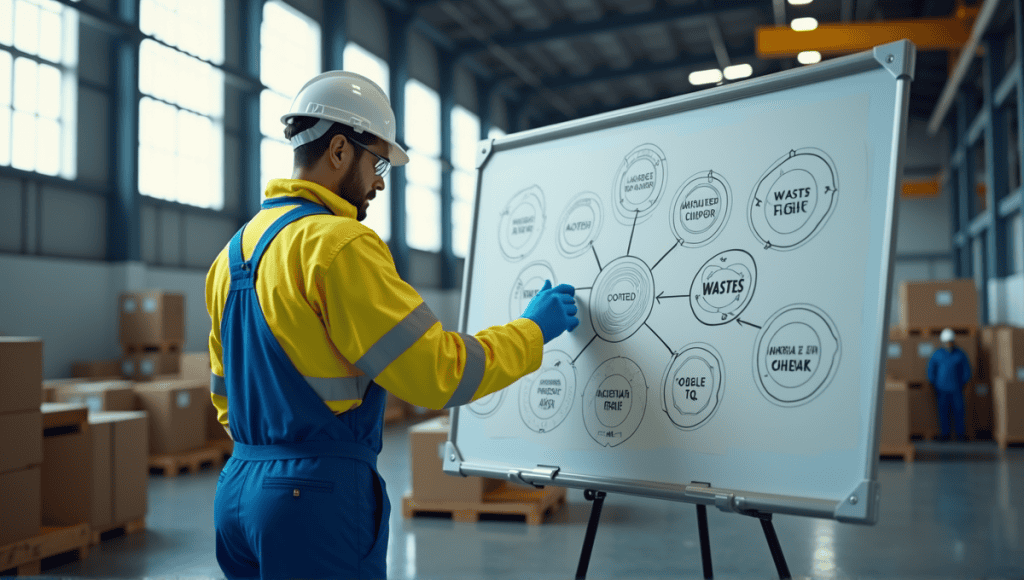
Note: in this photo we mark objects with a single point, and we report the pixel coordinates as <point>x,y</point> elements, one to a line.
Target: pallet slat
<point>128,528</point>
<point>167,346</point>
<point>532,504</point>
<point>171,464</point>
<point>904,452</point>
<point>25,557</point>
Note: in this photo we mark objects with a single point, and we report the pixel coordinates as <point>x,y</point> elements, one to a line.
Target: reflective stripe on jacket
<point>331,296</point>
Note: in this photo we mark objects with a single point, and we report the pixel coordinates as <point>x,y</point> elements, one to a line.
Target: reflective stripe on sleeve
<point>218,386</point>
<point>339,388</point>
<point>396,341</point>
<point>472,374</point>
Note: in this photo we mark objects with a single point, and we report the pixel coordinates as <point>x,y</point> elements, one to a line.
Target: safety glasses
<point>382,167</point>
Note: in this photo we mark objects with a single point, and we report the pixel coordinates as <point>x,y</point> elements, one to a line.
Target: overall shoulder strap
<point>305,209</point>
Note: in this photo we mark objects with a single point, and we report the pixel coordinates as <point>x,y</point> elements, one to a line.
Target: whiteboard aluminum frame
<point>861,504</point>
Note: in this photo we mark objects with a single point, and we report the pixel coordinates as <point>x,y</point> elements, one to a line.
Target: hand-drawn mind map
<point>796,352</point>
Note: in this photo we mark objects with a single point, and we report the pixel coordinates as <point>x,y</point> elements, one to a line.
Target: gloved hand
<point>554,310</point>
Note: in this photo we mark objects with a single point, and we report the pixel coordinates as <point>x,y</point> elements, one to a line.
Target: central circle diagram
<point>796,355</point>
<point>622,298</point>
<point>545,400</point>
<point>614,401</point>
<point>723,287</point>
<point>694,382</point>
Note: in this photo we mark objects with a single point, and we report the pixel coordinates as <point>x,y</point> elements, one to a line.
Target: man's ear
<point>337,151</point>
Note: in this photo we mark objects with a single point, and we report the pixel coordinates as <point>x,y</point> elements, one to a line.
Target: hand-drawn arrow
<point>674,246</point>
<point>767,245</point>
<point>662,295</point>
<point>742,322</point>
<point>599,268</point>
<point>630,246</point>
<point>581,352</point>
<point>659,338</point>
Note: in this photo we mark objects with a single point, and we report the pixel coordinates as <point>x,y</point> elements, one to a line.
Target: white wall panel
<point>205,237</point>
<point>10,218</point>
<point>232,173</point>
<point>94,147</point>
<point>169,238</point>
<point>74,224</point>
<point>147,217</point>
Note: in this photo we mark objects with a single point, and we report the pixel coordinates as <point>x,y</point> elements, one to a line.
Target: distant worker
<point>949,371</point>
<point>311,323</point>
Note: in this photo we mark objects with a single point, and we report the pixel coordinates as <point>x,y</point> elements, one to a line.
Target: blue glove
<point>554,310</point>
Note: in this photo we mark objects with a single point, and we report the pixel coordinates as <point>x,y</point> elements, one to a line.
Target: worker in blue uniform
<point>310,324</point>
<point>949,371</point>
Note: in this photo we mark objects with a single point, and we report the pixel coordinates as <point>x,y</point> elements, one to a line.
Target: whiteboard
<point>732,251</point>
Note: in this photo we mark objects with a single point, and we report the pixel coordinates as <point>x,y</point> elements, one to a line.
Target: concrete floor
<point>957,512</point>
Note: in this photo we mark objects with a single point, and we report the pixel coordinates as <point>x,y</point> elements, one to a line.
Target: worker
<point>948,371</point>
<point>310,324</point>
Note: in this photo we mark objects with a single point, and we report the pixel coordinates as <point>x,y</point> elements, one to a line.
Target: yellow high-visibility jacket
<point>333,299</point>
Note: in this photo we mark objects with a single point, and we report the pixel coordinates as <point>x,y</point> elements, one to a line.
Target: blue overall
<point>301,496</point>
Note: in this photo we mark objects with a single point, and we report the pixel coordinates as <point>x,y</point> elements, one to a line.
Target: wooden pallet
<point>172,464</point>
<point>167,346</point>
<point>904,452</point>
<point>531,504</point>
<point>226,447</point>
<point>108,532</point>
<point>925,331</point>
<point>25,557</point>
<point>1005,441</point>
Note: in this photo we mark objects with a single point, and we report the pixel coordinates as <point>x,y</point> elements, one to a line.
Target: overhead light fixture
<point>799,2</point>
<point>804,24</point>
<point>706,77</point>
<point>809,57</point>
<point>738,71</point>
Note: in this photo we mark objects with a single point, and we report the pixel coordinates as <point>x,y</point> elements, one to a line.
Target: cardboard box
<point>214,429</point>
<point>21,440</point>
<point>21,374</point>
<point>978,408</point>
<point>66,475</point>
<point>987,353</point>
<point>429,482</point>
<point>148,366</point>
<point>96,369</point>
<point>20,504</point>
<point>1010,348</point>
<point>101,396</point>
<point>924,411</point>
<point>938,304</point>
<point>1008,407</point>
<point>195,365</point>
<point>120,452</point>
<point>895,415</point>
<point>177,414</point>
<point>151,318</point>
<point>900,358</point>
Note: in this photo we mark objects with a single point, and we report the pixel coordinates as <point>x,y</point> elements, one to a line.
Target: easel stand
<point>702,528</point>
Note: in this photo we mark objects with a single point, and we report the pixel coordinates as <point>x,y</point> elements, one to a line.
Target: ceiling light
<point>706,77</point>
<point>799,2</point>
<point>809,57</point>
<point>803,24</point>
<point>738,71</point>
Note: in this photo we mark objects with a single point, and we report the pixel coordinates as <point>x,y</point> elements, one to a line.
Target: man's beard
<point>348,191</point>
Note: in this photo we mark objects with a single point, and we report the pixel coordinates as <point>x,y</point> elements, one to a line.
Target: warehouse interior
<point>137,136</point>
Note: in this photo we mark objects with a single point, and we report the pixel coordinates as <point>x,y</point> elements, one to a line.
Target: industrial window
<point>465,136</point>
<point>359,60</point>
<point>38,70</point>
<point>289,56</point>
<point>181,112</point>
<point>423,193</point>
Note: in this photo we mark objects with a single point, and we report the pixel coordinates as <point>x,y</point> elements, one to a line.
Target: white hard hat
<point>947,335</point>
<point>350,99</point>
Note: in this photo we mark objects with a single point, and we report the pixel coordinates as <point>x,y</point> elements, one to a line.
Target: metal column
<point>965,183</point>
<point>250,137</point>
<point>124,227</point>
<point>335,35</point>
<point>446,72</point>
<point>996,176</point>
<point>398,49</point>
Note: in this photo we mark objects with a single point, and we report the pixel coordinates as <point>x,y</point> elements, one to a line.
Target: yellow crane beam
<point>949,33</point>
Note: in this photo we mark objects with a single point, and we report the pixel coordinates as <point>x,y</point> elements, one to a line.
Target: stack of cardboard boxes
<point>1006,369</point>
<point>21,438</point>
<point>925,309</point>
<point>152,333</point>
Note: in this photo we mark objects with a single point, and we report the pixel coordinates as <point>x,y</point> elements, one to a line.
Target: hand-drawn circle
<point>522,223</point>
<point>700,208</point>
<point>580,224</point>
<point>486,406</point>
<point>622,298</point>
<point>794,199</point>
<point>796,355</point>
<point>545,397</point>
<point>723,287</point>
<point>526,286</point>
<point>777,212</point>
<point>694,383</point>
<point>639,184</point>
<point>614,401</point>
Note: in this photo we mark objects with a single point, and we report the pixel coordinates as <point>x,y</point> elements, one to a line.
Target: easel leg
<point>588,541</point>
<point>774,546</point>
<point>705,540</point>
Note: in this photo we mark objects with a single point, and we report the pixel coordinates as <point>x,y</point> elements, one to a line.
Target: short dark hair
<point>308,154</point>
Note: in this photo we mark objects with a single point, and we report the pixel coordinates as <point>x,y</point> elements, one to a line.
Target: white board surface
<point>732,253</point>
